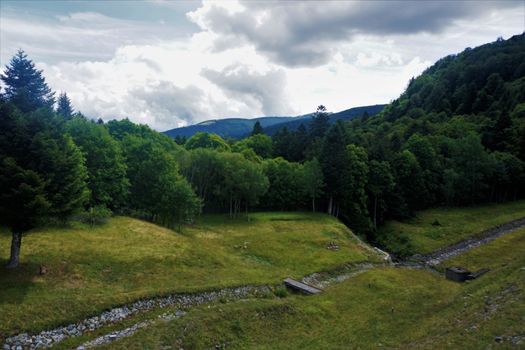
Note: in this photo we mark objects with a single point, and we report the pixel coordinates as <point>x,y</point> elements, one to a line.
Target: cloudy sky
<point>168,63</point>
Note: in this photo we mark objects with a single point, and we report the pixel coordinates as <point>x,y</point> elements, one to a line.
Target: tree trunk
<point>16,242</point>
<point>375,212</point>
<point>313,204</point>
<point>330,206</point>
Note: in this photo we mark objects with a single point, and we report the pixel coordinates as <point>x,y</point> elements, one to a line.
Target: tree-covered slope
<point>486,79</point>
<point>241,127</point>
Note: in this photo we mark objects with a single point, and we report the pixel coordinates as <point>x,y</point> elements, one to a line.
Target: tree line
<point>449,139</point>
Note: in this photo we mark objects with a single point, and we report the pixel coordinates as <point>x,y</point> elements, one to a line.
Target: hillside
<point>484,80</point>
<point>436,228</point>
<point>241,127</point>
<point>368,307</point>
<point>89,270</point>
<point>394,308</point>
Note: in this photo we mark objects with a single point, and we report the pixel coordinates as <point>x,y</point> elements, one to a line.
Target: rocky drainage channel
<point>485,237</point>
<point>47,339</point>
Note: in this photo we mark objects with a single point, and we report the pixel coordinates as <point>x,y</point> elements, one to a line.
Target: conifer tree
<point>42,173</point>
<point>257,129</point>
<point>25,87</point>
<point>64,108</point>
<point>320,123</point>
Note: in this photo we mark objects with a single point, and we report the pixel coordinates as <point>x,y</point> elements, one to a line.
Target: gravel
<point>48,338</point>
<point>485,237</point>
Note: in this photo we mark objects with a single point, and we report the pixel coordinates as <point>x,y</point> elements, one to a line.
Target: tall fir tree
<point>64,108</point>
<point>257,129</point>
<point>320,123</point>
<point>25,87</point>
<point>42,173</point>
<point>333,160</point>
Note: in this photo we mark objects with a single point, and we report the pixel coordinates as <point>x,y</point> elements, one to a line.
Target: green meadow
<point>92,269</point>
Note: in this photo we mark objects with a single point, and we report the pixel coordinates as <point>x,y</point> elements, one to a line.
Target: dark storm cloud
<point>304,33</point>
<point>264,91</point>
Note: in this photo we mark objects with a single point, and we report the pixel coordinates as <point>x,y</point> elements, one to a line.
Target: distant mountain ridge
<point>228,127</point>
<point>241,127</point>
<point>347,114</point>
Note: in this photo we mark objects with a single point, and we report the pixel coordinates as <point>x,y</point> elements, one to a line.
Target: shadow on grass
<point>16,282</point>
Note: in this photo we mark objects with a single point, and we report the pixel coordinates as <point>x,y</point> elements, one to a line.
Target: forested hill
<point>241,127</point>
<point>489,79</point>
<point>346,115</point>
<point>228,127</point>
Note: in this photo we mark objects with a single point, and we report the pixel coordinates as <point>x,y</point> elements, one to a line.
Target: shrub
<point>281,292</point>
<point>96,215</point>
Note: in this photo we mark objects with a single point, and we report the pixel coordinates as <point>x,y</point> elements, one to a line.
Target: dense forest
<point>456,136</point>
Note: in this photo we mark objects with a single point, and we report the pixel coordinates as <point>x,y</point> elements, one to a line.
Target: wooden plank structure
<point>302,287</point>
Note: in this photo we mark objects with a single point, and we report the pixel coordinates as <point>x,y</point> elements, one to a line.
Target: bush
<point>281,292</point>
<point>97,215</point>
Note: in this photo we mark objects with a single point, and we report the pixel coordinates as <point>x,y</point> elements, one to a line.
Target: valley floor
<point>382,306</point>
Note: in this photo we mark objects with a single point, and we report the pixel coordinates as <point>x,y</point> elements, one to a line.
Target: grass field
<point>422,234</point>
<point>126,259</point>
<point>385,307</point>
<point>382,308</point>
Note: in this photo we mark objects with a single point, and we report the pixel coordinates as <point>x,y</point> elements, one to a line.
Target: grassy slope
<point>93,269</point>
<point>387,307</point>
<point>456,225</point>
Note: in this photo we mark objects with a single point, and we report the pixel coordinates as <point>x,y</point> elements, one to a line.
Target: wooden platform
<point>302,287</point>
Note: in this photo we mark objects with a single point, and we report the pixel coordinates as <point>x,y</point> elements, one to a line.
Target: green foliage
<point>23,197</point>
<point>66,186</point>
<point>243,182</point>
<point>320,123</point>
<point>380,184</point>
<point>156,187</point>
<point>43,153</point>
<point>261,144</point>
<point>257,129</point>
<point>64,108</point>
<point>25,86</point>
<point>107,179</point>
<point>205,140</point>
<point>97,215</point>
<point>203,171</point>
<point>312,180</point>
<point>280,292</point>
<point>42,172</point>
<point>354,196</point>
<point>285,188</point>
<point>333,162</point>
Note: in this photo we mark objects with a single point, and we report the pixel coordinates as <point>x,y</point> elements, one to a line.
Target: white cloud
<point>278,58</point>
<point>307,33</point>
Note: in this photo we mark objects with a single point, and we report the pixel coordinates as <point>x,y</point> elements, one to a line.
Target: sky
<point>172,63</point>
